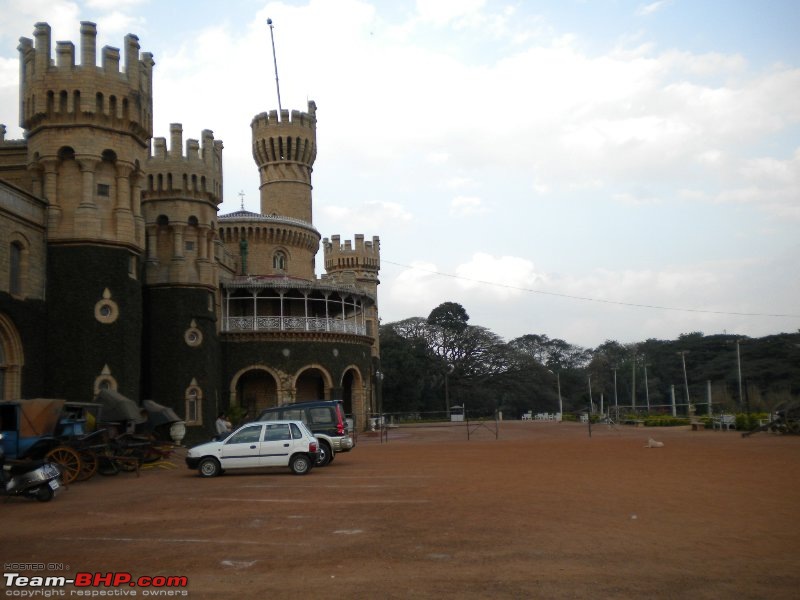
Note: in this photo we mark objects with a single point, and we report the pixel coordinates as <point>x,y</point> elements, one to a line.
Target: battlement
<point>285,138</point>
<point>198,170</point>
<point>273,119</point>
<point>364,255</point>
<point>63,91</point>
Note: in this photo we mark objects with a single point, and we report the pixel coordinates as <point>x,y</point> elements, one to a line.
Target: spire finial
<point>241,198</point>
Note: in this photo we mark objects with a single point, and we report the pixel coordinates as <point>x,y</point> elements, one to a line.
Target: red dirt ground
<point>544,511</point>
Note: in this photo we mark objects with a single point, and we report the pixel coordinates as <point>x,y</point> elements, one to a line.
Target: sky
<point>586,170</point>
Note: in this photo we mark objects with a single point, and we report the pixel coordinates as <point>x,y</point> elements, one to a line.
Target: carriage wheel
<point>88,465</point>
<point>68,459</point>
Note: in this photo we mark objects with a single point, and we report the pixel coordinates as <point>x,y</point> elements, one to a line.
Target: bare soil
<point>544,511</point>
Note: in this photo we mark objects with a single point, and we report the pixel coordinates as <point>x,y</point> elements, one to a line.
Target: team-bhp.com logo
<point>94,585</point>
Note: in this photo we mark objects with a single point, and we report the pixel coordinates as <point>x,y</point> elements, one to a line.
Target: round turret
<point>88,131</point>
<point>284,149</point>
<point>179,204</point>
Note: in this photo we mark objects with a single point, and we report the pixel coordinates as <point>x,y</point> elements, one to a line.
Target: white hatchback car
<point>260,444</point>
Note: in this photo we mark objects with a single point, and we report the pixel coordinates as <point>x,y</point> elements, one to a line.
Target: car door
<point>241,449</point>
<point>277,445</point>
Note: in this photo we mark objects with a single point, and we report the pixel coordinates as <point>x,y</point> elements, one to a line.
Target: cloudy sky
<point>587,170</point>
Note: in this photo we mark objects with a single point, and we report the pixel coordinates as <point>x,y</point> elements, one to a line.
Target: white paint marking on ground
<point>348,531</point>
<point>238,564</point>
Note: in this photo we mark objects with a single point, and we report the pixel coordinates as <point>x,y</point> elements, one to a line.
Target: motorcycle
<point>31,479</point>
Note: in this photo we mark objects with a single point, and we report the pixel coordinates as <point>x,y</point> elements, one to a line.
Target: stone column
<point>122,212</point>
<point>50,192</point>
<point>87,219</point>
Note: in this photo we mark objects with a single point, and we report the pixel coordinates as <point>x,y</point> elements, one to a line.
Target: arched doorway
<point>11,360</point>
<point>311,384</point>
<point>256,390</point>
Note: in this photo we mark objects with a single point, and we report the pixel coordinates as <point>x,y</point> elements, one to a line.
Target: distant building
<point>117,272</point>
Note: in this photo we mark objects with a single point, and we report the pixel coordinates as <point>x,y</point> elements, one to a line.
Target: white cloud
<point>369,216</point>
<point>653,7</point>
<point>467,206</point>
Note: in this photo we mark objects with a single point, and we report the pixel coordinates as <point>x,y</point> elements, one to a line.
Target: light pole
<point>739,369</point>
<point>633,385</point>
<point>683,354</point>
<point>616,402</point>
<point>558,383</point>
<point>447,372</point>
<point>591,402</point>
<point>646,387</point>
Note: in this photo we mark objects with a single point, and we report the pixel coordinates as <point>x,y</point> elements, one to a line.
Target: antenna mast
<point>275,62</point>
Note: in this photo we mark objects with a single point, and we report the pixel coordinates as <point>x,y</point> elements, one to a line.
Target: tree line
<point>432,364</point>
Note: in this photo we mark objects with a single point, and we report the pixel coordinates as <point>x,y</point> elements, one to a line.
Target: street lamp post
<point>739,369</point>
<point>558,383</point>
<point>683,354</point>
<point>646,387</point>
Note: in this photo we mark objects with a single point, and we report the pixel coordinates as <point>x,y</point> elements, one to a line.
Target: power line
<point>589,299</point>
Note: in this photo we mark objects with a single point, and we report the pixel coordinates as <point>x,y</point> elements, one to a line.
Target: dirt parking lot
<point>544,511</point>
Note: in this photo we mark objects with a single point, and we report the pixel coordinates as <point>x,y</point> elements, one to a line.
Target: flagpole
<point>275,62</point>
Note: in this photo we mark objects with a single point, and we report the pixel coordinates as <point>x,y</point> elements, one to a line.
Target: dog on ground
<point>651,443</point>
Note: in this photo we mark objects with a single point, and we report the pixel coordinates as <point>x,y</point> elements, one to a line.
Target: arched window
<point>279,260</point>
<point>15,269</point>
<point>194,404</point>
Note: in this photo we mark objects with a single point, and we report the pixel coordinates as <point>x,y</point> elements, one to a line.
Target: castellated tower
<point>284,149</point>
<point>357,265</point>
<point>88,130</point>
<point>179,202</point>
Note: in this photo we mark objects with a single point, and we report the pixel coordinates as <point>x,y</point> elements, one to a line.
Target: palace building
<point>117,272</point>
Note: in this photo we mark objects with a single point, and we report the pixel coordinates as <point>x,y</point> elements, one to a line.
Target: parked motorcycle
<point>31,478</point>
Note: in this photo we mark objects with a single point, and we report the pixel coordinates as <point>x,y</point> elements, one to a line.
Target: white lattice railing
<point>293,324</point>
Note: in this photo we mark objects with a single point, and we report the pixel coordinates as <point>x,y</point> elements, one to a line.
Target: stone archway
<point>12,360</point>
<point>353,394</point>
<point>254,389</point>
<point>312,383</point>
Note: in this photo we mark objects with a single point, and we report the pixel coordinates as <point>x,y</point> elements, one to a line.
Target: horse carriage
<point>107,436</point>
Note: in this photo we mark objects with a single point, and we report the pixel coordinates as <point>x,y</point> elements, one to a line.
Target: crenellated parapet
<point>195,173</point>
<point>65,92</point>
<point>357,264</point>
<point>181,191</point>
<point>363,256</point>
<point>284,149</point>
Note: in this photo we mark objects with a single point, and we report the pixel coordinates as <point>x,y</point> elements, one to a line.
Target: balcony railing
<point>317,324</point>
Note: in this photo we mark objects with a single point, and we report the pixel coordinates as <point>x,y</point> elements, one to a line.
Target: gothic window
<point>279,261</point>
<point>193,404</point>
<point>15,269</point>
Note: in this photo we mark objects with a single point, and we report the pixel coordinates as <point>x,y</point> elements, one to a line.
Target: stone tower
<point>357,265</point>
<point>179,203</point>
<point>88,130</point>
<point>284,149</point>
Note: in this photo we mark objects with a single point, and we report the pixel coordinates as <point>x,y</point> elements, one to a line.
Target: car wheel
<point>44,493</point>
<point>300,464</point>
<point>209,467</point>
<point>324,454</point>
